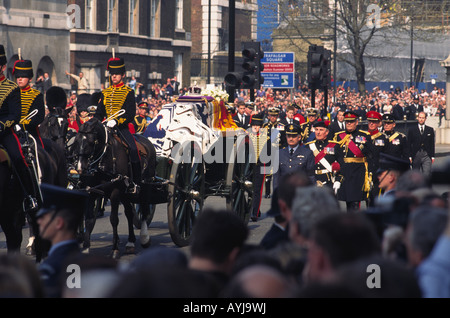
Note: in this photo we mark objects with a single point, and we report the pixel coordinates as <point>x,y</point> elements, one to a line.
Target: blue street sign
<point>279,69</point>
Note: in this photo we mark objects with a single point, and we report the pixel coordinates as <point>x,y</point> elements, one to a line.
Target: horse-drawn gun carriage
<point>190,151</point>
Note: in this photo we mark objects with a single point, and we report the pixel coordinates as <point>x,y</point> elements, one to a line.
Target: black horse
<point>102,162</point>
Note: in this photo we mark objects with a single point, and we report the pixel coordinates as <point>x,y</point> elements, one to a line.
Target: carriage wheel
<point>137,219</point>
<point>240,182</point>
<point>186,197</point>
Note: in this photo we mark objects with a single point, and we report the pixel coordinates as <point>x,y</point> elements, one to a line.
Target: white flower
<point>216,93</point>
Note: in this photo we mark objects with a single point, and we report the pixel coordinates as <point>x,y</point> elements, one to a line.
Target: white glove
<point>336,186</point>
<point>17,128</point>
<point>111,123</point>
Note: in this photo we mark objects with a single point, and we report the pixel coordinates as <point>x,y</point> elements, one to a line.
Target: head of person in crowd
<point>425,226</point>
<point>256,123</point>
<point>273,115</point>
<point>388,122</point>
<point>56,98</point>
<point>61,213</point>
<point>142,108</point>
<point>116,68</point>
<point>338,239</point>
<point>351,121</point>
<point>312,114</point>
<point>290,112</point>
<point>321,130</point>
<point>390,169</point>
<point>259,281</point>
<point>286,191</point>
<point>376,276</point>
<point>240,105</point>
<point>421,118</point>
<point>373,120</point>
<point>217,238</point>
<point>249,108</point>
<point>310,205</point>
<point>293,135</point>
<point>23,72</point>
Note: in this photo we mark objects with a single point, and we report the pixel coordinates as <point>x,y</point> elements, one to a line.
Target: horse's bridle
<point>97,151</point>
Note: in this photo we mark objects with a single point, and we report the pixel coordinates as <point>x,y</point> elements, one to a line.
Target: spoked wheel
<point>137,219</point>
<point>240,183</point>
<point>186,197</point>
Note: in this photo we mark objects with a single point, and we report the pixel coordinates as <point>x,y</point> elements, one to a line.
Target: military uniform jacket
<point>115,98</point>
<point>354,156</point>
<point>32,99</point>
<point>260,147</point>
<point>379,141</point>
<point>324,157</point>
<point>396,145</point>
<point>140,123</point>
<point>301,159</point>
<point>307,132</point>
<point>412,110</point>
<point>280,138</point>
<point>9,104</point>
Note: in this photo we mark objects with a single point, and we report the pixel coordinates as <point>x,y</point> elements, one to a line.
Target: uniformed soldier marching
<point>114,98</point>
<point>260,142</point>
<point>308,128</point>
<point>140,120</point>
<point>396,142</point>
<point>354,155</point>
<point>326,167</point>
<point>32,100</point>
<point>278,140</point>
<point>294,156</point>
<point>379,142</point>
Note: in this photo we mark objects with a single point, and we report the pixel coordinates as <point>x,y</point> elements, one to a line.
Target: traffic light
<point>315,66</point>
<point>250,77</point>
<point>252,65</point>
<point>326,69</point>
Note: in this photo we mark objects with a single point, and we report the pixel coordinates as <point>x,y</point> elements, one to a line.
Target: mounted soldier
<point>115,98</point>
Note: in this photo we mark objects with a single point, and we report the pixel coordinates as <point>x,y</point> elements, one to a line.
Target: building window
<point>154,18</point>
<point>179,14</point>
<point>134,17</point>
<point>90,15</point>
<point>179,68</point>
<point>112,16</point>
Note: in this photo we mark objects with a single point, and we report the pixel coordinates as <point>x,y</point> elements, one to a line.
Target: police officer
<point>113,99</point>
<point>10,112</point>
<point>354,155</point>
<point>308,128</point>
<point>396,142</point>
<point>294,156</point>
<point>32,100</point>
<point>140,120</point>
<point>323,149</point>
<point>413,110</point>
<point>379,142</point>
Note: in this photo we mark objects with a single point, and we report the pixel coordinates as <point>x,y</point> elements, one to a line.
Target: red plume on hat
<point>335,166</point>
<point>14,67</point>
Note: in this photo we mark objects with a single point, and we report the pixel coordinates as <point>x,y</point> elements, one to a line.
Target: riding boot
<point>30,203</point>
<point>134,186</point>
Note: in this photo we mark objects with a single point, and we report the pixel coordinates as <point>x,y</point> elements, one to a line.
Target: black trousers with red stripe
<point>258,184</point>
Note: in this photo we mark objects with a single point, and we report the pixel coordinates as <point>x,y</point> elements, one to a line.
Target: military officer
<point>140,121</point>
<point>278,140</point>
<point>113,99</point>
<point>294,156</point>
<point>326,166</point>
<point>308,128</point>
<point>379,141</point>
<point>413,110</point>
<point>32,100</point>
<point>396,142</point>
<point>10,112</point>
<point>260,141</point>
<point>354,155</point>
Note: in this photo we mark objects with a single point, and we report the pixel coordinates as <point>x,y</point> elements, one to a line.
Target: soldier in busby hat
<point>114,98</point>
<point>10,112</point>
<point>33,108</point>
